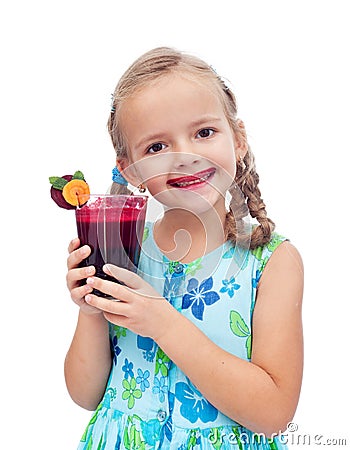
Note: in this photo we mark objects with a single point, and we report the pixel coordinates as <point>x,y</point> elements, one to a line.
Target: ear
<point>128,170</point>
<point>240,138</point>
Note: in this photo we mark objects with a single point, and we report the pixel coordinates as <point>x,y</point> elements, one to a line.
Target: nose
<point>184,158</point>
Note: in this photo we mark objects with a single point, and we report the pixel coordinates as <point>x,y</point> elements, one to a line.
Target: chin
<point>198,205</point>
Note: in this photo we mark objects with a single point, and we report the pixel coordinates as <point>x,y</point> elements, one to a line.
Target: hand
<point>138,306</point>
<point>76,274</point>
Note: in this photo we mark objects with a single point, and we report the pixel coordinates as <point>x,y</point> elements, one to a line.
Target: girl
<point>207,338</point>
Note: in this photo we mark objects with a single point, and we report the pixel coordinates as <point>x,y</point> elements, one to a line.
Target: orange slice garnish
<point>73,189</point>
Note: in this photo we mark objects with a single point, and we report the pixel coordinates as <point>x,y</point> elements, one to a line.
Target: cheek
<point>153,172</point>
<point>149,171</point>
<point>232,170</point>
<point>155,178</point>
<point>227,162</point>
<point>158,189</point>
<point>156,184</point>
<point>224,181</point>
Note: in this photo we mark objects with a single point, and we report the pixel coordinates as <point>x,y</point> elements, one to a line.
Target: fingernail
<point>90,281</point>
<point>88,298</point>
<point>106,269</point>
<point>84,250</point>
<point>90,270</point>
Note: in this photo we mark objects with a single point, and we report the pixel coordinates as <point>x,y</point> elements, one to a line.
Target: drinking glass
<point>112,225</point>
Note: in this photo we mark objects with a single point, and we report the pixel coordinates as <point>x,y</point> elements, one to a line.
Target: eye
<point>205,133</point>
<point>155,148</point>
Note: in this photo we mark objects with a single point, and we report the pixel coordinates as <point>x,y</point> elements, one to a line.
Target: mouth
<point>196,180</point>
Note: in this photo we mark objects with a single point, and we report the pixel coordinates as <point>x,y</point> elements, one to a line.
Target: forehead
<point>168,99</point>
<point>181,86</point>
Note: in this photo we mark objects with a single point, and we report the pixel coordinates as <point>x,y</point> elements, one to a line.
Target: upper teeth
<point>198,180</point>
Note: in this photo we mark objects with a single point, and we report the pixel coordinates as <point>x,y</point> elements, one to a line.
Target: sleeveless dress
<point>149,403</point>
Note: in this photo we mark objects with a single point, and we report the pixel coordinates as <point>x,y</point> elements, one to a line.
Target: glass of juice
<point>112,225</point>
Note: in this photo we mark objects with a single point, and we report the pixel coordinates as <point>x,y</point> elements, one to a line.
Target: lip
<point>198,179</point>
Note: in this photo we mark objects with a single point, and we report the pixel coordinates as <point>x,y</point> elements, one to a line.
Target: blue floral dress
<point>149,402</point>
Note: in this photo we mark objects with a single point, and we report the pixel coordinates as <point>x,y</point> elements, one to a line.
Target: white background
<point>288,64</point>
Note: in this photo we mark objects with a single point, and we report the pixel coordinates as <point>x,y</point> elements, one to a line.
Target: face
<point>180,144</point>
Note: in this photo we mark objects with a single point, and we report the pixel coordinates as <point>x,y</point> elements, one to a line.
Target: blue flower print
<point>168,426</point>
<point>193,405</point>
<point>151,432</point>
<point>127,368</point>
<point>171,287</point>
<point>142,380</point>
<point>116,350</point>
<point>160,388</point>
<point>230,286</point>
<point>149,347</point>
<point>198,296</point>
<point>256,280</point>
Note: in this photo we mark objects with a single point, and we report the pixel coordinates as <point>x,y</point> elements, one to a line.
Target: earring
<point>141,188</point>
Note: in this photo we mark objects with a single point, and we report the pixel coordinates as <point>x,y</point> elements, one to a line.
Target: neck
<point>185,236</point>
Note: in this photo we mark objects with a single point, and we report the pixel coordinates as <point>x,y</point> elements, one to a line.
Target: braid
<point>119,189</point>
<point>235,227</point>
<point>246,195</point>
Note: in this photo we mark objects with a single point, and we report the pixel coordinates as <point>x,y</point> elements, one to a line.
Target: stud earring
<point>141,188</point>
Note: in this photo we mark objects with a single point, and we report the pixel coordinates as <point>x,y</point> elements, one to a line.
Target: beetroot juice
<point>112,225</point>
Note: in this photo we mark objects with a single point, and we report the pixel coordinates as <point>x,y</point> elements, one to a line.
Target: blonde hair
<point>244,191</point>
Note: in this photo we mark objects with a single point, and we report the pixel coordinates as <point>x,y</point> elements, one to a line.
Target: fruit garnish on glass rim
<point>65,190</point>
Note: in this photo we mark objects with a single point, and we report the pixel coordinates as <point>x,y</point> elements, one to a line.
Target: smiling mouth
<point>194,180</point>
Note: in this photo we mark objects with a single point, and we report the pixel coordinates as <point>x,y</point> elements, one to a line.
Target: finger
<point>106,305</point>
<point>131,279</point>
<point>75,275</point>
<point>85,307</point>
<point>115,290</point>
<point>78,293</point>
<point>76,257</point>
<point>73,245</point>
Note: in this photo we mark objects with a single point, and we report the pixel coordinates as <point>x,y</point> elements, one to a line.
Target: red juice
<point>112,225</point>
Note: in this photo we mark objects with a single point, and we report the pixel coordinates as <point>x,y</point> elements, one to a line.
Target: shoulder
<point>263,252</point>
<point>280,274</point>
<point>284,261</point>
<point>282,280</point>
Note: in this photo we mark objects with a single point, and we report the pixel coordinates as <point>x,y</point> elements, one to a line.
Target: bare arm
<point>88,361</point>
<point>262,394</point>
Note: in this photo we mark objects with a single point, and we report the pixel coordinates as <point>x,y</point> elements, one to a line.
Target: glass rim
<point>113,195</point>
<point>114,200</point>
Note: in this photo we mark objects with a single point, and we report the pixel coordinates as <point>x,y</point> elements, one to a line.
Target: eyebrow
<point>195,123</point>
<point>204,119</point>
